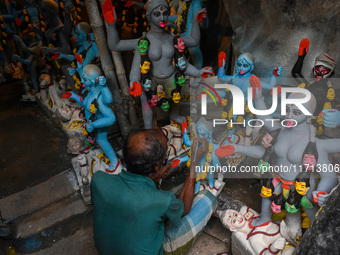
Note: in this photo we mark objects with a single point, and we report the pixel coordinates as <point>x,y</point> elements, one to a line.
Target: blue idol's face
<point>147,85</point>
<point>244,66</point>
<point>181,63</point>
<point>86,80</point>
<point>80,36</point>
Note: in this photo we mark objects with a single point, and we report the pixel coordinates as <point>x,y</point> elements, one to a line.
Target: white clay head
<point>231,219</point>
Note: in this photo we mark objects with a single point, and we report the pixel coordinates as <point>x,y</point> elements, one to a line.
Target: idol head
<point>157,13</point>
<point>164,104</point>
<point>293,112</point>
<point>83,31</point>
<point>152,98</point>
<point>324,66</point>
<point>232,219</point>
<point>310,156</point>
<point>143,45</point>
<point>145,65</point>
<point>146,83</point>
<point>302,183</point>
<point>179,43</point>
<point>204,128</point>
<point>90,74</point>
<point>278,204</point>
<point>180,62</point>
<point>179,79</point>
<point>245,63</point>
<point>270,138</point>
<point>176,96</point>
<point>292,204</point>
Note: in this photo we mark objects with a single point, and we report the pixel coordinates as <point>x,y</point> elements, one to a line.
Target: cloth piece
<point>129,214</point>
<point>178,240</point>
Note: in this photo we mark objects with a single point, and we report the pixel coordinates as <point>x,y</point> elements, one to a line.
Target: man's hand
<point>221,59</point>
<point>198,152</point>
<point>255,83</point>
<point>161,174</point>
<point>201,15</point>
<point>304,47</point>
<point>206,72</point>
<point>136,89</point>
<point>109,12</point>
<point>225,150</point>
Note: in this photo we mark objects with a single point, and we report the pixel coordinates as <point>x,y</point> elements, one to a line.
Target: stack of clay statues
<point>49,47</point>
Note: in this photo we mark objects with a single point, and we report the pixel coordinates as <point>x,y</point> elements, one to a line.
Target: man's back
<point>129,214</point>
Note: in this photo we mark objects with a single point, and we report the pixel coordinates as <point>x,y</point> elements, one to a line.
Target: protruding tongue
<point>163,24</point>
<point>241,72</point>
<point>289,124</point>
<point>318,78</point>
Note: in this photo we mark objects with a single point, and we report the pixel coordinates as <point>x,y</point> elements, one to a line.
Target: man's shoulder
<point>102,177</point>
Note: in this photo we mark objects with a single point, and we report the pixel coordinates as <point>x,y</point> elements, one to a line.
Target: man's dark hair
<point>142,156</point>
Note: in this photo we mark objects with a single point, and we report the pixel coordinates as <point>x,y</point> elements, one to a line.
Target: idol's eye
<point>297,112</point>
<point>165,13</point>
<point>156,14</point>
<point>239,64</point>
<point>246,66</point>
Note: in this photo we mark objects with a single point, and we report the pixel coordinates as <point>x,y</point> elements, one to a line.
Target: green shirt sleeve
<point>175,210</point>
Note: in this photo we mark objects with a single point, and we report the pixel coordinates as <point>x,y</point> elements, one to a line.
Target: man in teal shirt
<point>129,210</point>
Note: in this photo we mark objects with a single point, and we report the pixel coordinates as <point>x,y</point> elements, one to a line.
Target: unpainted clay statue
<point>289,148</point>
<point>98,113</point>
<point>264,240</point>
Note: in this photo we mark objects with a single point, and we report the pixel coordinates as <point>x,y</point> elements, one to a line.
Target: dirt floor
<point>32,149</point>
